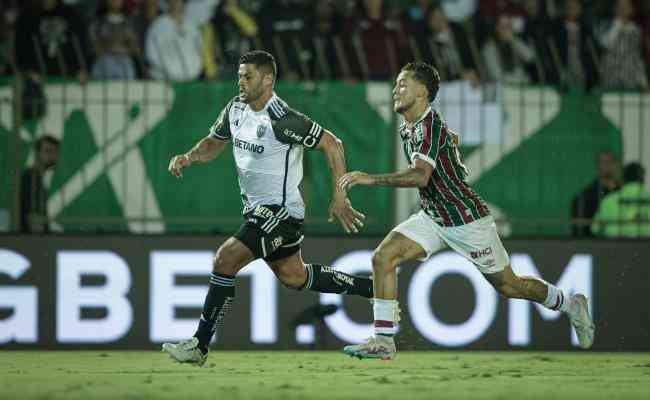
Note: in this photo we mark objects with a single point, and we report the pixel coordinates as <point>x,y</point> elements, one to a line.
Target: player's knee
<point>223,263</point>
<point>290,279</point>
<point>292,282</point>
<point>383,261</point>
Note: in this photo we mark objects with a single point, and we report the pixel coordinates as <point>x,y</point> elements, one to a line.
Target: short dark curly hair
<point>261,60</point>
<point>427,75</point>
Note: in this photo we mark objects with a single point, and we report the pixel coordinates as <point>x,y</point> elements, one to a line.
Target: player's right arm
<point>208,148</point>
<point>205,150</point>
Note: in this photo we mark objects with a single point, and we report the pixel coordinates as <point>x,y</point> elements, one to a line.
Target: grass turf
<point>325,375</point>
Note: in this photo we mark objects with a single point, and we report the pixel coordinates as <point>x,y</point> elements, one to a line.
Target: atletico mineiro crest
<point>261,130</point>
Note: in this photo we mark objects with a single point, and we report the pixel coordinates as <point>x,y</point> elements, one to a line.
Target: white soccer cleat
<point>377,347</point>
<point>186,351</point>
<point>581,321</point>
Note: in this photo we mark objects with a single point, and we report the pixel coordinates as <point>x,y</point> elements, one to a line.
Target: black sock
<point>324,279</point>
<point>217,304</point>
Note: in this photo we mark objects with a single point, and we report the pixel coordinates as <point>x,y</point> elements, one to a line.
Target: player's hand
<point>342,210</point>
<point>177,164</point>
<point>351,179</point>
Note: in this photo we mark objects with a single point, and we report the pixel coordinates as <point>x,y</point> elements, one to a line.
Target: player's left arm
<point>340,207</point>
<point>295,128</point>
<point>417,175</point>
<point>423,162</point>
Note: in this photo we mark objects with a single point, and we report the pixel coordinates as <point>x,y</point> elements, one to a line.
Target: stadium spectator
<point>235,31</point>
<point>537,31</point>
<point>625,213</point>
<point>488,13</point>
<point>585,204</point>
<point>283,24</point>
<point>51,40</point>
<point>575,46</point>
<point>622,66</point>
<point>146,12</point>
<point>114,41</point>
<point>86,9</point>
<point>506,55</point>
<point>377,40</point>
<point>326,26</point>
<point>7,30</point>
<point>200,12</point>
<point>33,194</point>
<point>174,46</point>
<point>415,13</point>
<point>447,46</point>
<point>458,11</point>
<point>493,8</point>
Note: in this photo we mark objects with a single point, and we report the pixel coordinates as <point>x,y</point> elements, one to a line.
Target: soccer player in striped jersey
<point>452,215</point>
<point>268,140</point>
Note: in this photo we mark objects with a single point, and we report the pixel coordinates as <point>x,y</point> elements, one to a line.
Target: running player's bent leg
<point>550,296</point>
<point>295,274</point>
<point>231,256</point>
<point>393,250</point>
<point>512,286</point>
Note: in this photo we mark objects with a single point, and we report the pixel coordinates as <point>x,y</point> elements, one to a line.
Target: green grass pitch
<point>325,375</point>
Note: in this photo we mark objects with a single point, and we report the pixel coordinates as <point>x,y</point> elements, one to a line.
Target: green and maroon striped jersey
<point>447,198</point>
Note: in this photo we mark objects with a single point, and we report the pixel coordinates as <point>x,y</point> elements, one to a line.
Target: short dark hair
<point>38,144</point>
<point>427,75</point>
<point>633,172</point>
<point>261,60</point>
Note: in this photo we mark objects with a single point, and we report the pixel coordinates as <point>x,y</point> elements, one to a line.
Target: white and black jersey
<point>268,148</point>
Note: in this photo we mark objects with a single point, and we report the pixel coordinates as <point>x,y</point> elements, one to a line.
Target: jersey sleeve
<point>433,129</point>
<point>221,127</point>
<point>297,128</point>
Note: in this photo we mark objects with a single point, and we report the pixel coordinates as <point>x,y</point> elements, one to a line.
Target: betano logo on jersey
<point>252,147</point>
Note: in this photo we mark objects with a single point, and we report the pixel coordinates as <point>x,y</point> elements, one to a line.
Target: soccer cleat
<point>377,347</point>
<point>186,351</point>
<point>581,321</point>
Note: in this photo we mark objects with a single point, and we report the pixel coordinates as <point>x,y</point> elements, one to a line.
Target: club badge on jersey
<point>261,131</point>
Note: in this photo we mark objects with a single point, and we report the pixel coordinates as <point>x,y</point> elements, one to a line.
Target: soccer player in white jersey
<point>268,141</point>
<point>452,215</point>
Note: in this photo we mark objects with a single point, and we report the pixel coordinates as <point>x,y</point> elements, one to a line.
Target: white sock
<point>384,312</point>
<point>556,299</point>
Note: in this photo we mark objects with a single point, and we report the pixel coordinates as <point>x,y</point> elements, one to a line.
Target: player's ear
<point>422,91</point>
<point>268,79</point>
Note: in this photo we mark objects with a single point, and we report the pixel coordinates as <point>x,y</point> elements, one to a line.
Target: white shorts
<point>477,241</point>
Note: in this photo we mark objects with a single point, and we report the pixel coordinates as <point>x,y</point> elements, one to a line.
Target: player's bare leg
<point>393,250</point>
<point>295,274</point>
<point>231,257</point>
<point>525,287</point>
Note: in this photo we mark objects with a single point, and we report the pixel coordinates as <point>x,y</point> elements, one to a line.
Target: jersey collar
<point>423,116</point>
<point>268,103</point>
<point>405,131</point>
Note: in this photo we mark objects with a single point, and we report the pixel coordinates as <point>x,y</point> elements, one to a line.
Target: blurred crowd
<point>573,43</point>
